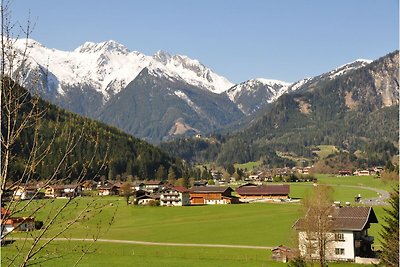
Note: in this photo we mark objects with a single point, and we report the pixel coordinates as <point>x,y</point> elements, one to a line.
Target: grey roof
<point>348,218</point>
<point>209,189</point>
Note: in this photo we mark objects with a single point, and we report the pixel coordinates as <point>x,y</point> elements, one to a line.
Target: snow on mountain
<point>348,67</point>
<point>191,71</point>
<point>109,66</point>
<point>253,94</point>
<point>339,71</point>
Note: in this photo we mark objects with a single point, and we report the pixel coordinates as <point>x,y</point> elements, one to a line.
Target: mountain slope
<point>344,110</point>
<point>254,94</point>
<point>156,106</point>
<point>119,152</point>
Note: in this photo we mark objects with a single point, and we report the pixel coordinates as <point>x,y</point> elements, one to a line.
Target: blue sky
<point>240,39</point>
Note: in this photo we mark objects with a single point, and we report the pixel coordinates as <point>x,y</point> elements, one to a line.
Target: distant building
<point>54,191</point>
<point>345,172</point>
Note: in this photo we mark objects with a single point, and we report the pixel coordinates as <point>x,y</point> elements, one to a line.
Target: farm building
<point>251,191</point>
<point>200,195</point>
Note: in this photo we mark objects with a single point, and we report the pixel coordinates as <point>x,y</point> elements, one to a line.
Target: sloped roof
<point>264,190</point>
<point>177,188</point>
<point>348,218</point>
<point>210,189</point>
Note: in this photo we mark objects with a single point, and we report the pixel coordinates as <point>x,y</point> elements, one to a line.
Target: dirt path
<point>133,242</point>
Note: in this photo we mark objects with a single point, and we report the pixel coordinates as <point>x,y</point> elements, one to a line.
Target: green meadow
<point>257,224</point>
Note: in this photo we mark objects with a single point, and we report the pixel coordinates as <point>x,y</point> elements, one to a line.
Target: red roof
<point>264,190</point>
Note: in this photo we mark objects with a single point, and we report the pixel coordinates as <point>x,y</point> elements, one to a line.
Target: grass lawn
<point>343,194</point>
<point>369,181</point>
<point>263,224</point>
<point>249,165</point>
<point>104,254</point>
<point>325,151</point>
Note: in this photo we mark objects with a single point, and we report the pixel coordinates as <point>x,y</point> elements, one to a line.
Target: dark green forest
<point>89,147</point>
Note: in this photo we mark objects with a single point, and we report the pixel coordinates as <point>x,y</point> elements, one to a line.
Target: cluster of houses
<point>366,172</point>
<point>165,194</point>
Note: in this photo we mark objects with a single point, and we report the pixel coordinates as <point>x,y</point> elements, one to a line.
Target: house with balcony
<point>174,196</point>
<point>203,195</point>
<point>348,239</point>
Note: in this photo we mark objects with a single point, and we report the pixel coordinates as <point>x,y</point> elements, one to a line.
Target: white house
<point>24,192</point>
<point>175,196</point>
<point>348,239</point>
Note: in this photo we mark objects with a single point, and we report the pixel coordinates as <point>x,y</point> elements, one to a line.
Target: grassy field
<point>369,181</point>
<point>326,150</point>
<point>262,224</point>
<point>103,254</point>
<point>343,194</point>
<point>248,166</point>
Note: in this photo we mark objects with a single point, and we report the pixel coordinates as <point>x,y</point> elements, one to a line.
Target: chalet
<point>89,185</point>
<point>348,239</point>
<point>23,192</point>
<point>153,185</point>
<point>54,191</point>
<point>139,185</point>
<point>362,173</point>
<point>18,224</point>
<point>251,191</point>
<point>174,196</point>
<point>200,195</point>
<point>147,199</point>
<point>109,190</point>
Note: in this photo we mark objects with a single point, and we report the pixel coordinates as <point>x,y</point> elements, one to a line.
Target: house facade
<point>24,192</point>
<point>174,196</point>
<point>348,239</point>
<point>212,195</point>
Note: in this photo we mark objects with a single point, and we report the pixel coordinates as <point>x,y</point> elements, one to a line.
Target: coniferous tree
<point>390,232</point>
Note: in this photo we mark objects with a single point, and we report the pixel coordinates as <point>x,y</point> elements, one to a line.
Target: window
<point>339,237</point>
<point>339,251</point>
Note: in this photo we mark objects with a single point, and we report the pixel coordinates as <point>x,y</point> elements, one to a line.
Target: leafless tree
<point>315,229</point>
<point>23,113</point>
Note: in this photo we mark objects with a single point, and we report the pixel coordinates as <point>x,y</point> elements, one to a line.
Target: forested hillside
<point>353,112</point>
<point>90,146</point>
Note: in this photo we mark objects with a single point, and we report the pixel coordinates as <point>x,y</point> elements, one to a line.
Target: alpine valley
<point>163,96</point>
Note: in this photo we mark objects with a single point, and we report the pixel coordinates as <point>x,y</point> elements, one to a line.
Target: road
<point>133,242</point>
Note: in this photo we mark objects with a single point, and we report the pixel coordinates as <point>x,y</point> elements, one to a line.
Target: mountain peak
<point>162,56</point>
<point>107,46</point>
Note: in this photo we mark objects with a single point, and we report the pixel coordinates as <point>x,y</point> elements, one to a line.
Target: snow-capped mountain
<point>101,70</point>
<point>253,94</point>
<point>157,107</point>
<point>307,83</point>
